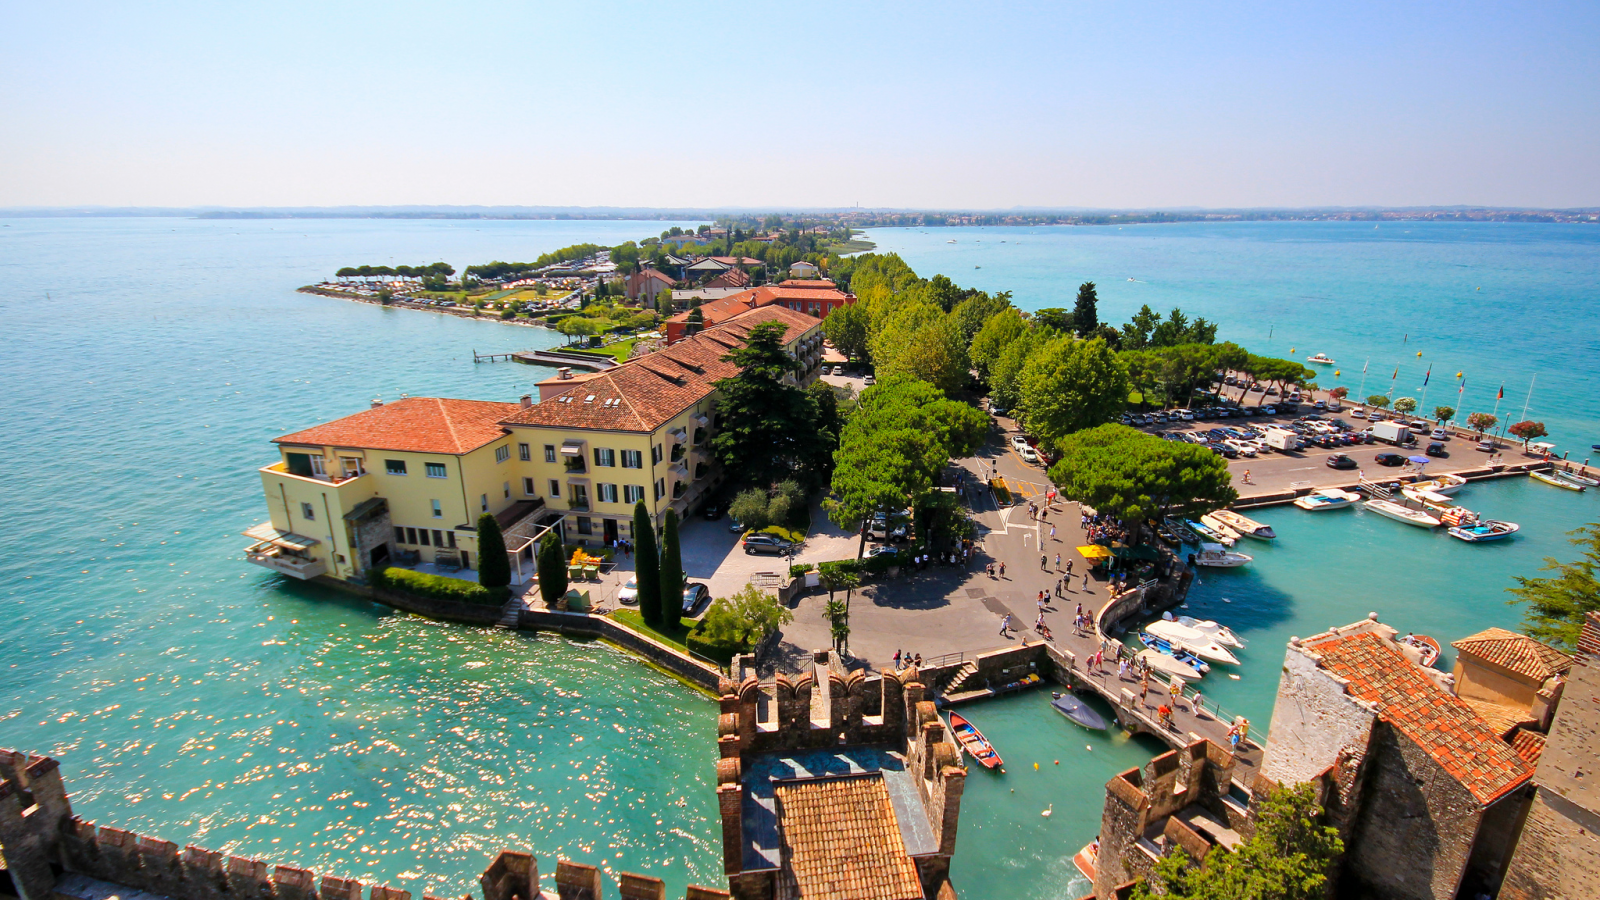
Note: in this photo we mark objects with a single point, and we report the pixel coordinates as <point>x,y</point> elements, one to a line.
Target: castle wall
<point>1314,722</point>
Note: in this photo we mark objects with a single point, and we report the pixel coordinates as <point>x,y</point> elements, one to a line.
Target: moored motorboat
<point>1486,530</point>
<point>973,741</point>
<point>1219,527</point>
<point>1553,481</point>
<point>1427,646</point>
<point>1575,478</point>
<point>1393,510</point>
<point>1320,359</point>
<point>1248,527</point>
<point>1087,858</point>
<point>1215,556</point>
<point>1207,533</point>
<point>1441,484</point>
<point>1160,662</point>
<point>1222,634</point>
<point>1078,711</point>
<point>1327,498</point>
<point>1175,650</point>
<point>1182,530</point>
<point>1202,645</point>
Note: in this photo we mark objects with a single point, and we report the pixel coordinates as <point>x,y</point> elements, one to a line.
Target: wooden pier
<point>492,357</point>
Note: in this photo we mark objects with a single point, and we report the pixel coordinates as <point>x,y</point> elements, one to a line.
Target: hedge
<point>435,587</point>
<point>798,569</point>
<point>722,653</point>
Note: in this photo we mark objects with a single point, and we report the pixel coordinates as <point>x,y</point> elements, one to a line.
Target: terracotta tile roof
<point>814,284</point>
<point>737,260</point>
<point>1501,718</point>
<point>1517,652</point>
<point>1528,745</point>
<point>645,393</point>
<point>718,311</point>
<point>734,278</point>
<point>415,424</point>
<point>1448,730</point>
<point>841,841</point>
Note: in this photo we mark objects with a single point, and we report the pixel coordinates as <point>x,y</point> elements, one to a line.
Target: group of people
<point>1102,529</point>
<point>903,660</point>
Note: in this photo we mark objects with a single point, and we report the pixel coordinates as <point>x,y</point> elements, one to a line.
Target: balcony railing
<point>575,465</point>
<point>286,564</point>
<point>578,504</point>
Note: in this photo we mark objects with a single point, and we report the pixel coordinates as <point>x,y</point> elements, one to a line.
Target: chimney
<point>376,402</point>
<point>527,400</point>
<point>564,372</point>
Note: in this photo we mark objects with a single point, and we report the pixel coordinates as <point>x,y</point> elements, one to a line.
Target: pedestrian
<point>1052,532</point>
<point>1058,562</point>
<point>1164,714</point>
<point>897,660</point>
<point>1086,581</point>
<point>1122,669</point>
<point>1005,625</point>
<point>1002,569</point>
<point>1079,613</point>
<point>1194,704</point>
<point>1058,588</point>
<point>918,662</point>
<point>1144,686</point>
<point>1038,624</point>
<point>1069,568</point>
<point>989,567</point>
<point>1176,690</point>
<point>1044,561</point>
<point>1246,476</point>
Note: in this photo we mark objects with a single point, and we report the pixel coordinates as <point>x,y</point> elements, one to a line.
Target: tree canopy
<point>847,328</point>
<point>1126,473</point>
<point>994,337</point>
<point>1085,310</point>
<point>1527,431</point>
<point>1071,384</point>
<point>1556,605</point>
<point>1147,329</point>
<point>766,427</point>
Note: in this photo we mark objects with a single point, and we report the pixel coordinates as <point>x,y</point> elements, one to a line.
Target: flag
<point>1396,373</point>
<point>1427,376</point>
<point>1364,366</point>
<point>1502,394</point>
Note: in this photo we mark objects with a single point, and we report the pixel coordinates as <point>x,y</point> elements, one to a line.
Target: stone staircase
<point>508,616</point>
<point>959,681</point>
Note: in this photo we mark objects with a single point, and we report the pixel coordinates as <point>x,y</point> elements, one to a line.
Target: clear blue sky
<point>818,104</point>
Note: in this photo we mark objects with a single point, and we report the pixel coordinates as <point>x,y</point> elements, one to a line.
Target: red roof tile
<point>1517,652</point>
<point>415,424</point>
<point>645,393</point>
<point>1529,745</point>
<point>841,841</point>
<point>1448,730</point>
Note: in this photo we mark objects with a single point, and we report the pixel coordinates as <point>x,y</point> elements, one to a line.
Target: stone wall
<point>702,674</point>
<point>40,839</point>
<point>1138,801</point>
<point>1315,724</point>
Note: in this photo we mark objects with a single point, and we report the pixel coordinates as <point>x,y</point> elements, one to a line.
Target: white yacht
<point>1327,498</point>
<point>1247,527</point>
<point>1393,510</point>
<point>1320,359</point>
<point>1441,484</point>
<point>1217,556</point>
<point>1222,634</point>
<point>1201,645</point>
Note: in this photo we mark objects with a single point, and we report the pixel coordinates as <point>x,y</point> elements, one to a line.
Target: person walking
<point>1005,625</point>
<point>1002,570</point>
<point>1247,476</point>
<point>897,660</point>
<point>1176,690</point>
<point>1194,704</point>
<point>1069,568</point>
<point>1058,562</point>
<point>1086,581</point>
<point>1044,561</point>
<point>1052,532</point>
<point>1144,686</point>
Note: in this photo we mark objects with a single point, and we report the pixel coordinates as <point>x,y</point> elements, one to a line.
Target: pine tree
<point>645,566</point>
<point>552,568</point>
<point>494,570</point>
<point>671,571</point>
<point>1085,312</point>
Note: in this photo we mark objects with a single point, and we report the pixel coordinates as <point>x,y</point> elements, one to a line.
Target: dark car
<point>1224,451</point>
<point>1437,449</point>
<point>1389,459</point>
<point>1340,461</point>
<point>766,543</point>
<point>713,511</point>
<point>694,593</point>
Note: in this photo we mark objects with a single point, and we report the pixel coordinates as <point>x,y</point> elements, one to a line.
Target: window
<point>555,488</point>
<point>607,493</point>
<point>585,525</point>
<point>438,509</point>
<point>527,486</point>
<point>507,487</point>
<point>655,455</point>
<point>605,456</point>
<point>549,452</point>
<point>450,537</point>
<point>319,465</point>
<point>579,498</point>
<point>632,493</point>
<point>632,459</point>
<point>437,470</point>
<point>307,512</point>
<point>394,466</point>
<point>399,535</point>
<point>502,453</point>
<point>411,535</point>
<point>523,453</point>
<point>424,535</point>
<point>438,538</point>
<point>661,488</point>
<point>483,502</point>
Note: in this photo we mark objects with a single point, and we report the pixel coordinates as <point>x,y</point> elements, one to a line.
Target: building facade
<point>813,298</point>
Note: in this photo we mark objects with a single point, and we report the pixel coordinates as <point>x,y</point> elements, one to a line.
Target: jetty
<point>577,359</point>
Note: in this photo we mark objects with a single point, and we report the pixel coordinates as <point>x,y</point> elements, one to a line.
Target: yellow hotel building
<point>403,483</point>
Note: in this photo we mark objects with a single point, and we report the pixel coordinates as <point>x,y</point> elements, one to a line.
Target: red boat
<point>973,741</point>
<point>1087,858</point>
<point>1430,648</point>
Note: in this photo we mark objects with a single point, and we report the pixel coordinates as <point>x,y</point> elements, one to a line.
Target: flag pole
<point>1530,397</point>
<point>1363,389</point>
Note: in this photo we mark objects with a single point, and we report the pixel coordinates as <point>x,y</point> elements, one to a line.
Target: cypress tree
<point>671,571</point>
<point>552,568</point>
<point>645,566</point>
<point>494,570</point>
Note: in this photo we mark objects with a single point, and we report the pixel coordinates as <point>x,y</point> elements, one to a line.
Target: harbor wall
<point>1278,498</point>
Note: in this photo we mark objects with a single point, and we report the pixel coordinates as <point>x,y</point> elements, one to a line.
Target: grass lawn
<point>631,618</point>
<point>619,351</point>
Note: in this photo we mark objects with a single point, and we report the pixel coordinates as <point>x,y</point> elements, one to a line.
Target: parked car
<point>1018,442</point>
<point>1389,459</point>
<point>1242,448</point>
<point>766,543</point>
<point>712,511</point>
<point>1439,434</point>
<point>1027,454</point>
<point>1358,413</point>
<point>694,593</point>
<point>1224,451</point>
<point>1319,405</point>
<point>869,381</point>
<point>734,525</point>
<point>1340,461</point>
<point>629,595</point>
<point>1436,449</point>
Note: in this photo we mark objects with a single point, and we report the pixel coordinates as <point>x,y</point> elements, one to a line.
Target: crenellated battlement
<point>39,837</point>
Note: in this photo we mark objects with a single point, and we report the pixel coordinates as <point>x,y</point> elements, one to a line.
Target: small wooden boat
<point>1207,533</point>
<point>1556,482</point>
<point>1222,634</point>
<point>1429,647</point>
<point>1219,528</point>
<point>1202,645</point>
<point>973,741</point>
<point>1248,527</point>
<point>1087,858</point>
<point>1182,530</point>
<point>1078,711</point>
<point>1327,498</point>
<point>1175,650</point>
<point>1390,509</point>
<point>1575,478</point>
<point>1486,530</point>
<point>1215,556</point>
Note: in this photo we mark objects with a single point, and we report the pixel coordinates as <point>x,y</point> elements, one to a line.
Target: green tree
<point>552,568</point>
<point>743,619</point>
<point>749,508</point>
<point>1005,373</point>
<point>1527,431</point>
<point>1056,318</point>
<point>1134,476</point>
<point>1378,401</point>
<point>494,570</point>
<point>994,337</point>
<point>646,566</point>
<point>1069,385</point>
<point>1085,312</point>
<point>973,313</point>
<point>695,321</point>
<point>838,623</point>
<point>1444,414</point>
<point>1288,858</point>
<point>1557,605</point>
<point>672,579</point>
<point>765,432</point>
<point>1405,405</point>
<point>1481,422</point>
<point>847,328</point>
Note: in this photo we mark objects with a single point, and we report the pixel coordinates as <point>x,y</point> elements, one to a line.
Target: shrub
<point>435,587</point>
<point>798,569</point>
<point>749,509</point>
<point>494,570</point>
<point>736,624</point>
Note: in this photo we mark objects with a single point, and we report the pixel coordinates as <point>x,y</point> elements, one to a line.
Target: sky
<point>924,105</point>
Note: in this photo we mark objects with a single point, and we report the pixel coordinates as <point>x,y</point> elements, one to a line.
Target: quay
<point>577,359</point>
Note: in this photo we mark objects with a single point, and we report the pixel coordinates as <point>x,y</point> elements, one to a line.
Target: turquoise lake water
<point>193,696</point>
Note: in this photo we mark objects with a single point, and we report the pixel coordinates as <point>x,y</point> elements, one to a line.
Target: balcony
<point>285,563</point>
<point>575,465</point>
<point>321,478</point>
<point>678,435</point>
<point>578,504</point>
